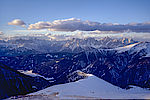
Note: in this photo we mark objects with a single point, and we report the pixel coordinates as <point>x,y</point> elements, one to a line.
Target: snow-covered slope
<point>125,48</point>
<point>143,47</point>
<point>30,73</point>
<point>91,87</point>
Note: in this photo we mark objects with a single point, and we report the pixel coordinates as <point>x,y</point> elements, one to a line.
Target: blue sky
<point>103,11</point>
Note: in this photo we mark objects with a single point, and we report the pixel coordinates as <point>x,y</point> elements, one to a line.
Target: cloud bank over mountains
<point>73,24</point>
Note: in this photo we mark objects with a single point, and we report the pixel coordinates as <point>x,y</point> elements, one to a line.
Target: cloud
<point>57,36</point>
<point>39,25</point>
<point>1,33</point>
<point>71,24</point>
<point>17,22</point>
<point>74,24</point>
<point>103,32</point>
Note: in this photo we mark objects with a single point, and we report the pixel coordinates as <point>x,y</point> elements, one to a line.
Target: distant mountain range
<point>21,46</point>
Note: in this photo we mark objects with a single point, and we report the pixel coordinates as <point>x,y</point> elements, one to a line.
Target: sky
<point>101,11</point>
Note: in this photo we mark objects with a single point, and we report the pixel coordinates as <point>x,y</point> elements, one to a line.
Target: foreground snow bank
<point>89,88</point>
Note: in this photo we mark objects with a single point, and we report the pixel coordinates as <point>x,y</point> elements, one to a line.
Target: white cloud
<point>146,23</point>
<point>74,24</point>
<point>17,22</point>
<point>103,32</point>
<point>57,36</point>
<point>1,33</point>
<point>71,24</point>
<point>39,25</point>
<point>47,34</point>
<point>133,24</point>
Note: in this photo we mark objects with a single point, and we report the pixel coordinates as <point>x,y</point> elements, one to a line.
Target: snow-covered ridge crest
<point>125,48</point>
<point>135,48</point>
<point>84,74</point>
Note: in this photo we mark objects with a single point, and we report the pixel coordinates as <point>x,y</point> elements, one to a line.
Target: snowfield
<point>135,48</point>
<point>91,87</point>
<point>30,73</point>
<point>125,48</point>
